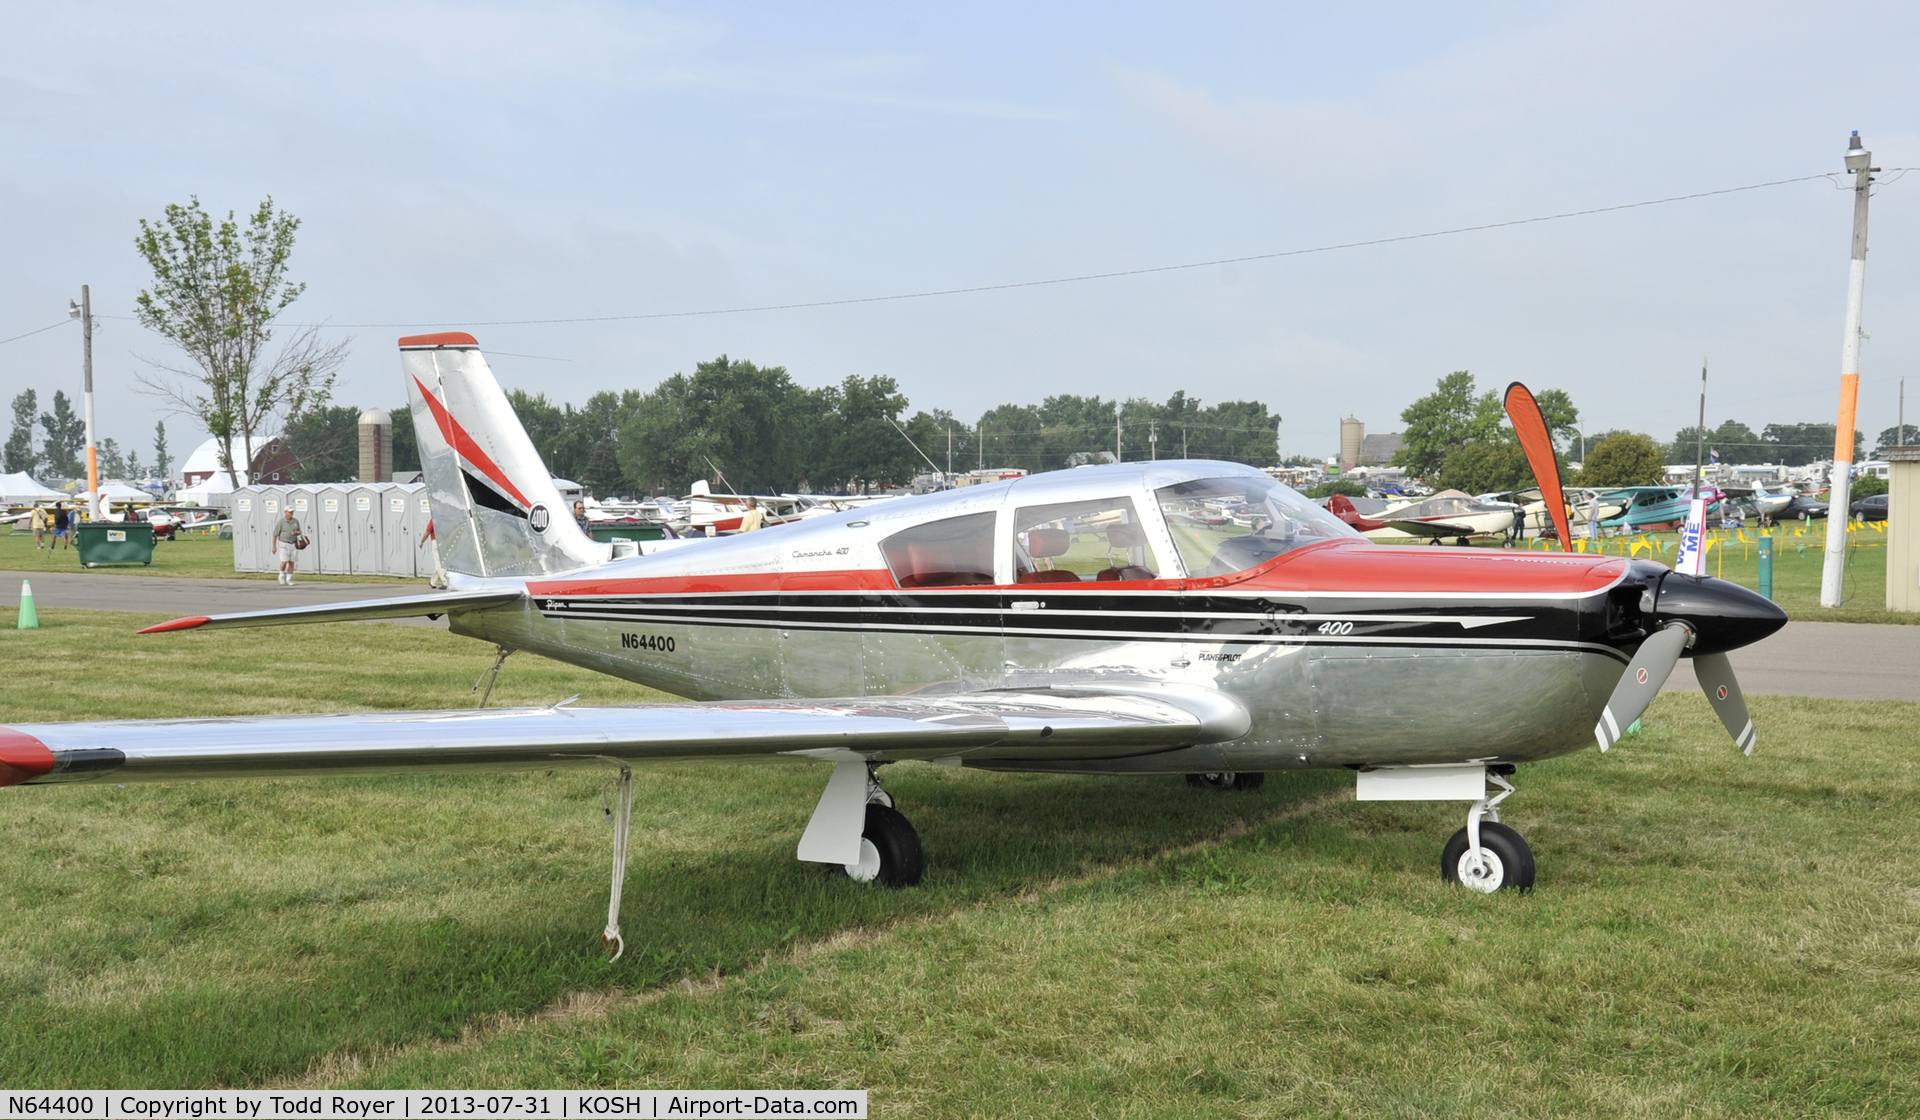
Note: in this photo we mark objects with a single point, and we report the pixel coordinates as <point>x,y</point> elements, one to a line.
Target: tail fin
<point>496,511</point>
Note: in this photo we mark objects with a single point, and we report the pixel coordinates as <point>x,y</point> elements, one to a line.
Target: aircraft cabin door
<point>940,621</point>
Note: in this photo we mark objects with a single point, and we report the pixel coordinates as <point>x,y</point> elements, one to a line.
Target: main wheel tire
<point>1242,780</point>
<point>1509,862</point>
<point>889,851</point>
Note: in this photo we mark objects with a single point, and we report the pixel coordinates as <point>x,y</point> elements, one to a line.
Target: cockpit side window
<point>955,552</point>
<point>1227,525</point>
<point>1077,542</point>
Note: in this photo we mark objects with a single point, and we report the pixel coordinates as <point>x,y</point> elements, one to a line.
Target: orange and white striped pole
<point>1859,161</point>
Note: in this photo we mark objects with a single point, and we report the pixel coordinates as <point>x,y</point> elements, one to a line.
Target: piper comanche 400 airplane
<point>1177,617</point>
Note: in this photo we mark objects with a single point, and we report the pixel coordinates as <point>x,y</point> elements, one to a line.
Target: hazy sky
<point>460,164</point>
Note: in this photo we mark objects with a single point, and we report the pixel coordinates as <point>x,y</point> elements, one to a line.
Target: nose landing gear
<point>1487,856</point>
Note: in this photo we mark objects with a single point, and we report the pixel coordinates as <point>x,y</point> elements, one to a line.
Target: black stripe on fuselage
<point>1150,616</point>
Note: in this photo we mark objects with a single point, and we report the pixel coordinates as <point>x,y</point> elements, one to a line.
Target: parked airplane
<point>1449,513</point>
<point>1102,620</point>
<point>1656,507</point>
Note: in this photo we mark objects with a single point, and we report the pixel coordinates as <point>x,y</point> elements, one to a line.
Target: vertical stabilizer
<point>496,511</point>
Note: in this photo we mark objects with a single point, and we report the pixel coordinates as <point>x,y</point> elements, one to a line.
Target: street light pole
<point>84,313</point>
<point>1859,161</point>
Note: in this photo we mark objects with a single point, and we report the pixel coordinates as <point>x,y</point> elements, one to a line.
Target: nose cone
<point>1723,615</point>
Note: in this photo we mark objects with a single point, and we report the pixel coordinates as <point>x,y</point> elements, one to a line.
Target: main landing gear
<point>889,847</point>
<point>1487,856</point>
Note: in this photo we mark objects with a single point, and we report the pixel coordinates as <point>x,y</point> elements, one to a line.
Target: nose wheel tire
<point>889,850</point>
<point>1505,863</point>
<point>1226,779</point>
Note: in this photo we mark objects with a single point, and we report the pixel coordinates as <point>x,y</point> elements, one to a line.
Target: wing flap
<point>1031,724</point>
<point>362,610</point>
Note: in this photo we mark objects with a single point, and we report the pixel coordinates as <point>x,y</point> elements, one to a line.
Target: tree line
<point>754,428</point>
<point>1458,437</point>
<point>60,449</point>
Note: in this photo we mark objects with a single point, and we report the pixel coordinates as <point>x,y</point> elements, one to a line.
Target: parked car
<point>1871,509</point>
<point>1803,508</point>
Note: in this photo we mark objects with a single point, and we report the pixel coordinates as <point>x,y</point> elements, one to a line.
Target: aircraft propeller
<point>1708,616</point>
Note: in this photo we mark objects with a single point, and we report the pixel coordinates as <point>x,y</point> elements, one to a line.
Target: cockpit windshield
<point>1227,525</point>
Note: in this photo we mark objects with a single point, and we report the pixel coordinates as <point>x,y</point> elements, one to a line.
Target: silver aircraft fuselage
<point>1343,653</point>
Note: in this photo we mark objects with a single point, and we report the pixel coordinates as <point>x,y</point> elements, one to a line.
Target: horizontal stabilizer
<point>364,610</point>
<point>1028,724</point>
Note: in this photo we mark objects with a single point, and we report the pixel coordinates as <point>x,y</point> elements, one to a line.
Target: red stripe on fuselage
<point>1335,567</point>
<point>22,757</point>
<point>462,443</point>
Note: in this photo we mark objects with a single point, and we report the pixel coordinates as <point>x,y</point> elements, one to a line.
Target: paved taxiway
<point>1840,660</point>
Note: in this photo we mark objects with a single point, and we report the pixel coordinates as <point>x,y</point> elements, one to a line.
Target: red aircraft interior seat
<point>1057,575</point>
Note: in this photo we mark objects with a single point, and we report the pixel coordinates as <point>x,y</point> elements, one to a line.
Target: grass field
<point>199,555</point>
<point>1798,557</point>
<point>1711,936</point>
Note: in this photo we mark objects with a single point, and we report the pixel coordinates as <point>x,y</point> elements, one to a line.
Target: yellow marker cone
<point>29,618</point>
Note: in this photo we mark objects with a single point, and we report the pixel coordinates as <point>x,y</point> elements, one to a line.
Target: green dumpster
<point>114,542</point>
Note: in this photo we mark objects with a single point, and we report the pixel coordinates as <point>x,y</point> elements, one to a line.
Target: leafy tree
<point>112,464</point>
<point>1797,445</point>
<point>162,461</point>
<point>1449,418</point>
<point>133,466</point>
<point>406,446</point>
<point>325,444</point>
<point>1563,419</point>
<point>1735,442</point>
<point>864,447</point>
<point>1486,466</point>
<point>1866,486</point>
<point>217,289</point>
<point>20,454</point>
<point>1624,459</point>
<point>944,439</point>
<point>1896,436</point>
<point>730,418</point>
<point>66,432</point>
<point>1346,486</point>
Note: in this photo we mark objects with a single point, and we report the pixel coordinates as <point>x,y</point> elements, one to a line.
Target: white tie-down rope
<point>615,944</point>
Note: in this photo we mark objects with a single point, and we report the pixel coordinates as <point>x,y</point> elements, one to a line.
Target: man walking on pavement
<point>286,544</point>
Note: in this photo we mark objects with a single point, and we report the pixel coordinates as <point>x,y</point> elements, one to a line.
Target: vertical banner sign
<point>1692,560</point>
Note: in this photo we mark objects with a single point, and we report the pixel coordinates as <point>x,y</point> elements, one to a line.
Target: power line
<point>1089,276</point>
<point>30,334</point>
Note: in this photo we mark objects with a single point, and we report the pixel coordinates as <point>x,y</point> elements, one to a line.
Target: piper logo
<point>538,518</point>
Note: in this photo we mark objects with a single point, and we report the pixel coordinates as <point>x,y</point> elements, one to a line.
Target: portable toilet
<point>330,526</point>
<point>426,558</point>
<point>269,506</point>
<point>397,534</point>
<point>364,521</point>
<point>248,532</point>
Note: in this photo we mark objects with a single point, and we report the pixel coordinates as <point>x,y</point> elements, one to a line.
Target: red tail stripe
<point>22,757</point>
<point>462,443</point>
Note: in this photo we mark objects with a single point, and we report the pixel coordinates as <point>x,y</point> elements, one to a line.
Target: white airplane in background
<point>1105,620</point>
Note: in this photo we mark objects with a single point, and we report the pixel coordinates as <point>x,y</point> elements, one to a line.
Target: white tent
<point>23,489</point>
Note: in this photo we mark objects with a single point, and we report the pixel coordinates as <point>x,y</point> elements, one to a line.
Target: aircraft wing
<point>363,610</point>
<point>1063,723</point>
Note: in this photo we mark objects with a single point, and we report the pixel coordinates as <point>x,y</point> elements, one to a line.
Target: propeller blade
<point>1648,670</point>
<point>1537,442</point>
<point>1715,674</point>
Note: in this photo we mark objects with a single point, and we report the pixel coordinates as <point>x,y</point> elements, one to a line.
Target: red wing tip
<point>444,338</point>
<point>196,621</point>
<point>22,757</point>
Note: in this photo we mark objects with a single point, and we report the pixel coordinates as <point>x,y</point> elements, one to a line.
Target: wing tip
<point>190,623</point>
<point>22,757</point>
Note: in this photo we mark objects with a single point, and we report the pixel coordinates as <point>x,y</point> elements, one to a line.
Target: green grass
<point>1798,557</point>
<point>202,555</point>
<point>1711,936</point>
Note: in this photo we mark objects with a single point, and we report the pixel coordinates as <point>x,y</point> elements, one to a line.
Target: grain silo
<point>1352,432</point>
<point>376,446</point>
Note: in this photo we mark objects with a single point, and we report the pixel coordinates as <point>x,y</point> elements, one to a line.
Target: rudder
<point>496,511</point>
